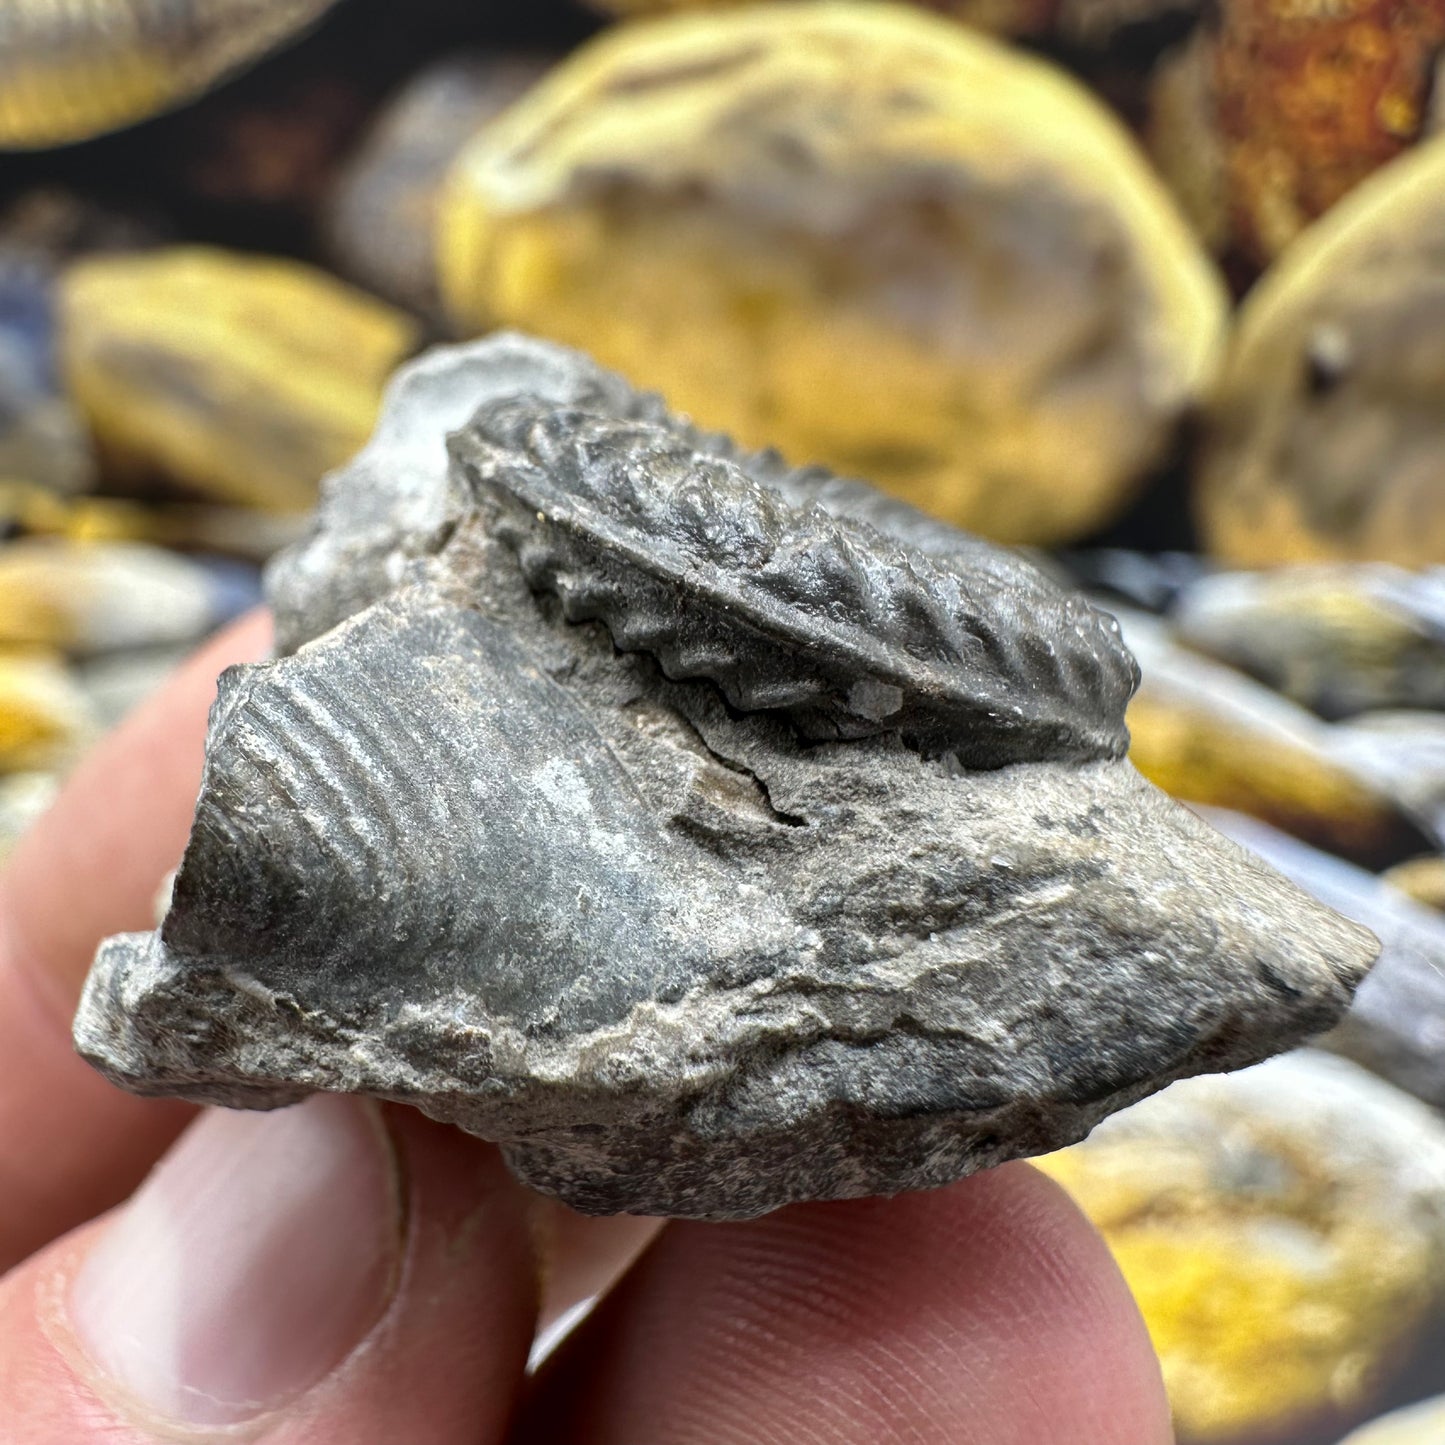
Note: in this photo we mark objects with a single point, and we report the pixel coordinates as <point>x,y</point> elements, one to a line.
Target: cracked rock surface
<point>711,835</point>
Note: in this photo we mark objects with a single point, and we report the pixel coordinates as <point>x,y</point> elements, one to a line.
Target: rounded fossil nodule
<point>915,254</point>
<point>1283,1232</point>
<point>1324,438</point>
<point>711,834</point>
<point>235,377</point>
<point>70,69</point>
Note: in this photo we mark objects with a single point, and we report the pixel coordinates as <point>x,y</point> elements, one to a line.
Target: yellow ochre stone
<point>1208,734</point>
<point>857,232</point>
<point>240,378</point>
<point>74,68</point>
<point>43,714</point>
<point>1326,436</point>
<point>1422,879</point>
<point>1282,1229</point>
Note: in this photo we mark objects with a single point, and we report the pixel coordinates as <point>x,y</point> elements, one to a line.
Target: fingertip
<point>44,1400</point>
<point>1065,1309</point>
<point>121,1326</point>
<point>989,1311</point>
<point>1004,1269</point>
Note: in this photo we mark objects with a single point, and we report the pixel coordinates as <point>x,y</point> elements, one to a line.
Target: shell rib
<point>685,556</point>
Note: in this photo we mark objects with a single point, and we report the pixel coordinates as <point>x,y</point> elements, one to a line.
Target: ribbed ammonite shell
<point>789,607</point>
<point>70,69</point>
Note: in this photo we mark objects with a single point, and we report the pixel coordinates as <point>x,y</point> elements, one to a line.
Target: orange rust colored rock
<point>1310,97</point>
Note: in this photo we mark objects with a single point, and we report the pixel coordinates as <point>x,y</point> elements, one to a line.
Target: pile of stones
<point>1150,292</point>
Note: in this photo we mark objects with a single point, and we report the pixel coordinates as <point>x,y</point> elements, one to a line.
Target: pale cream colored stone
<point>1417,1425</point>
<point>1326,436</point>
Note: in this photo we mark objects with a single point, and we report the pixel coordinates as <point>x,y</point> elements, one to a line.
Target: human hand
<point>343,1274</point>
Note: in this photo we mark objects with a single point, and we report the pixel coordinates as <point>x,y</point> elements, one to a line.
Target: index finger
<point>72,1145</point>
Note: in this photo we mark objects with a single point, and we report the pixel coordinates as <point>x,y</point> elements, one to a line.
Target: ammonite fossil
<point>74,68</point>
<point>795,610</point>
<point>713,836</point>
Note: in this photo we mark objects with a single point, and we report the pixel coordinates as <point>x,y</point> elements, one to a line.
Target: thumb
<point>332,1272</point>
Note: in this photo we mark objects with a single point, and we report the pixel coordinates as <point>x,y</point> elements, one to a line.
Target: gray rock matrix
<point>711,835</point>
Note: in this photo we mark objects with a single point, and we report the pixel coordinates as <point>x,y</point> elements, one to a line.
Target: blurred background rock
<point>1153,287</point>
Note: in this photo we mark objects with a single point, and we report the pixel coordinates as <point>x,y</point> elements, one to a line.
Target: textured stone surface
<point>1324,434</point>
<point>1337,639</point>
<point>639,804</point>
<point>74,69</point>
<point>1283,1230</point>
<point>1206,733</point>
<point>238,378</point>
<point>916,255</point>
